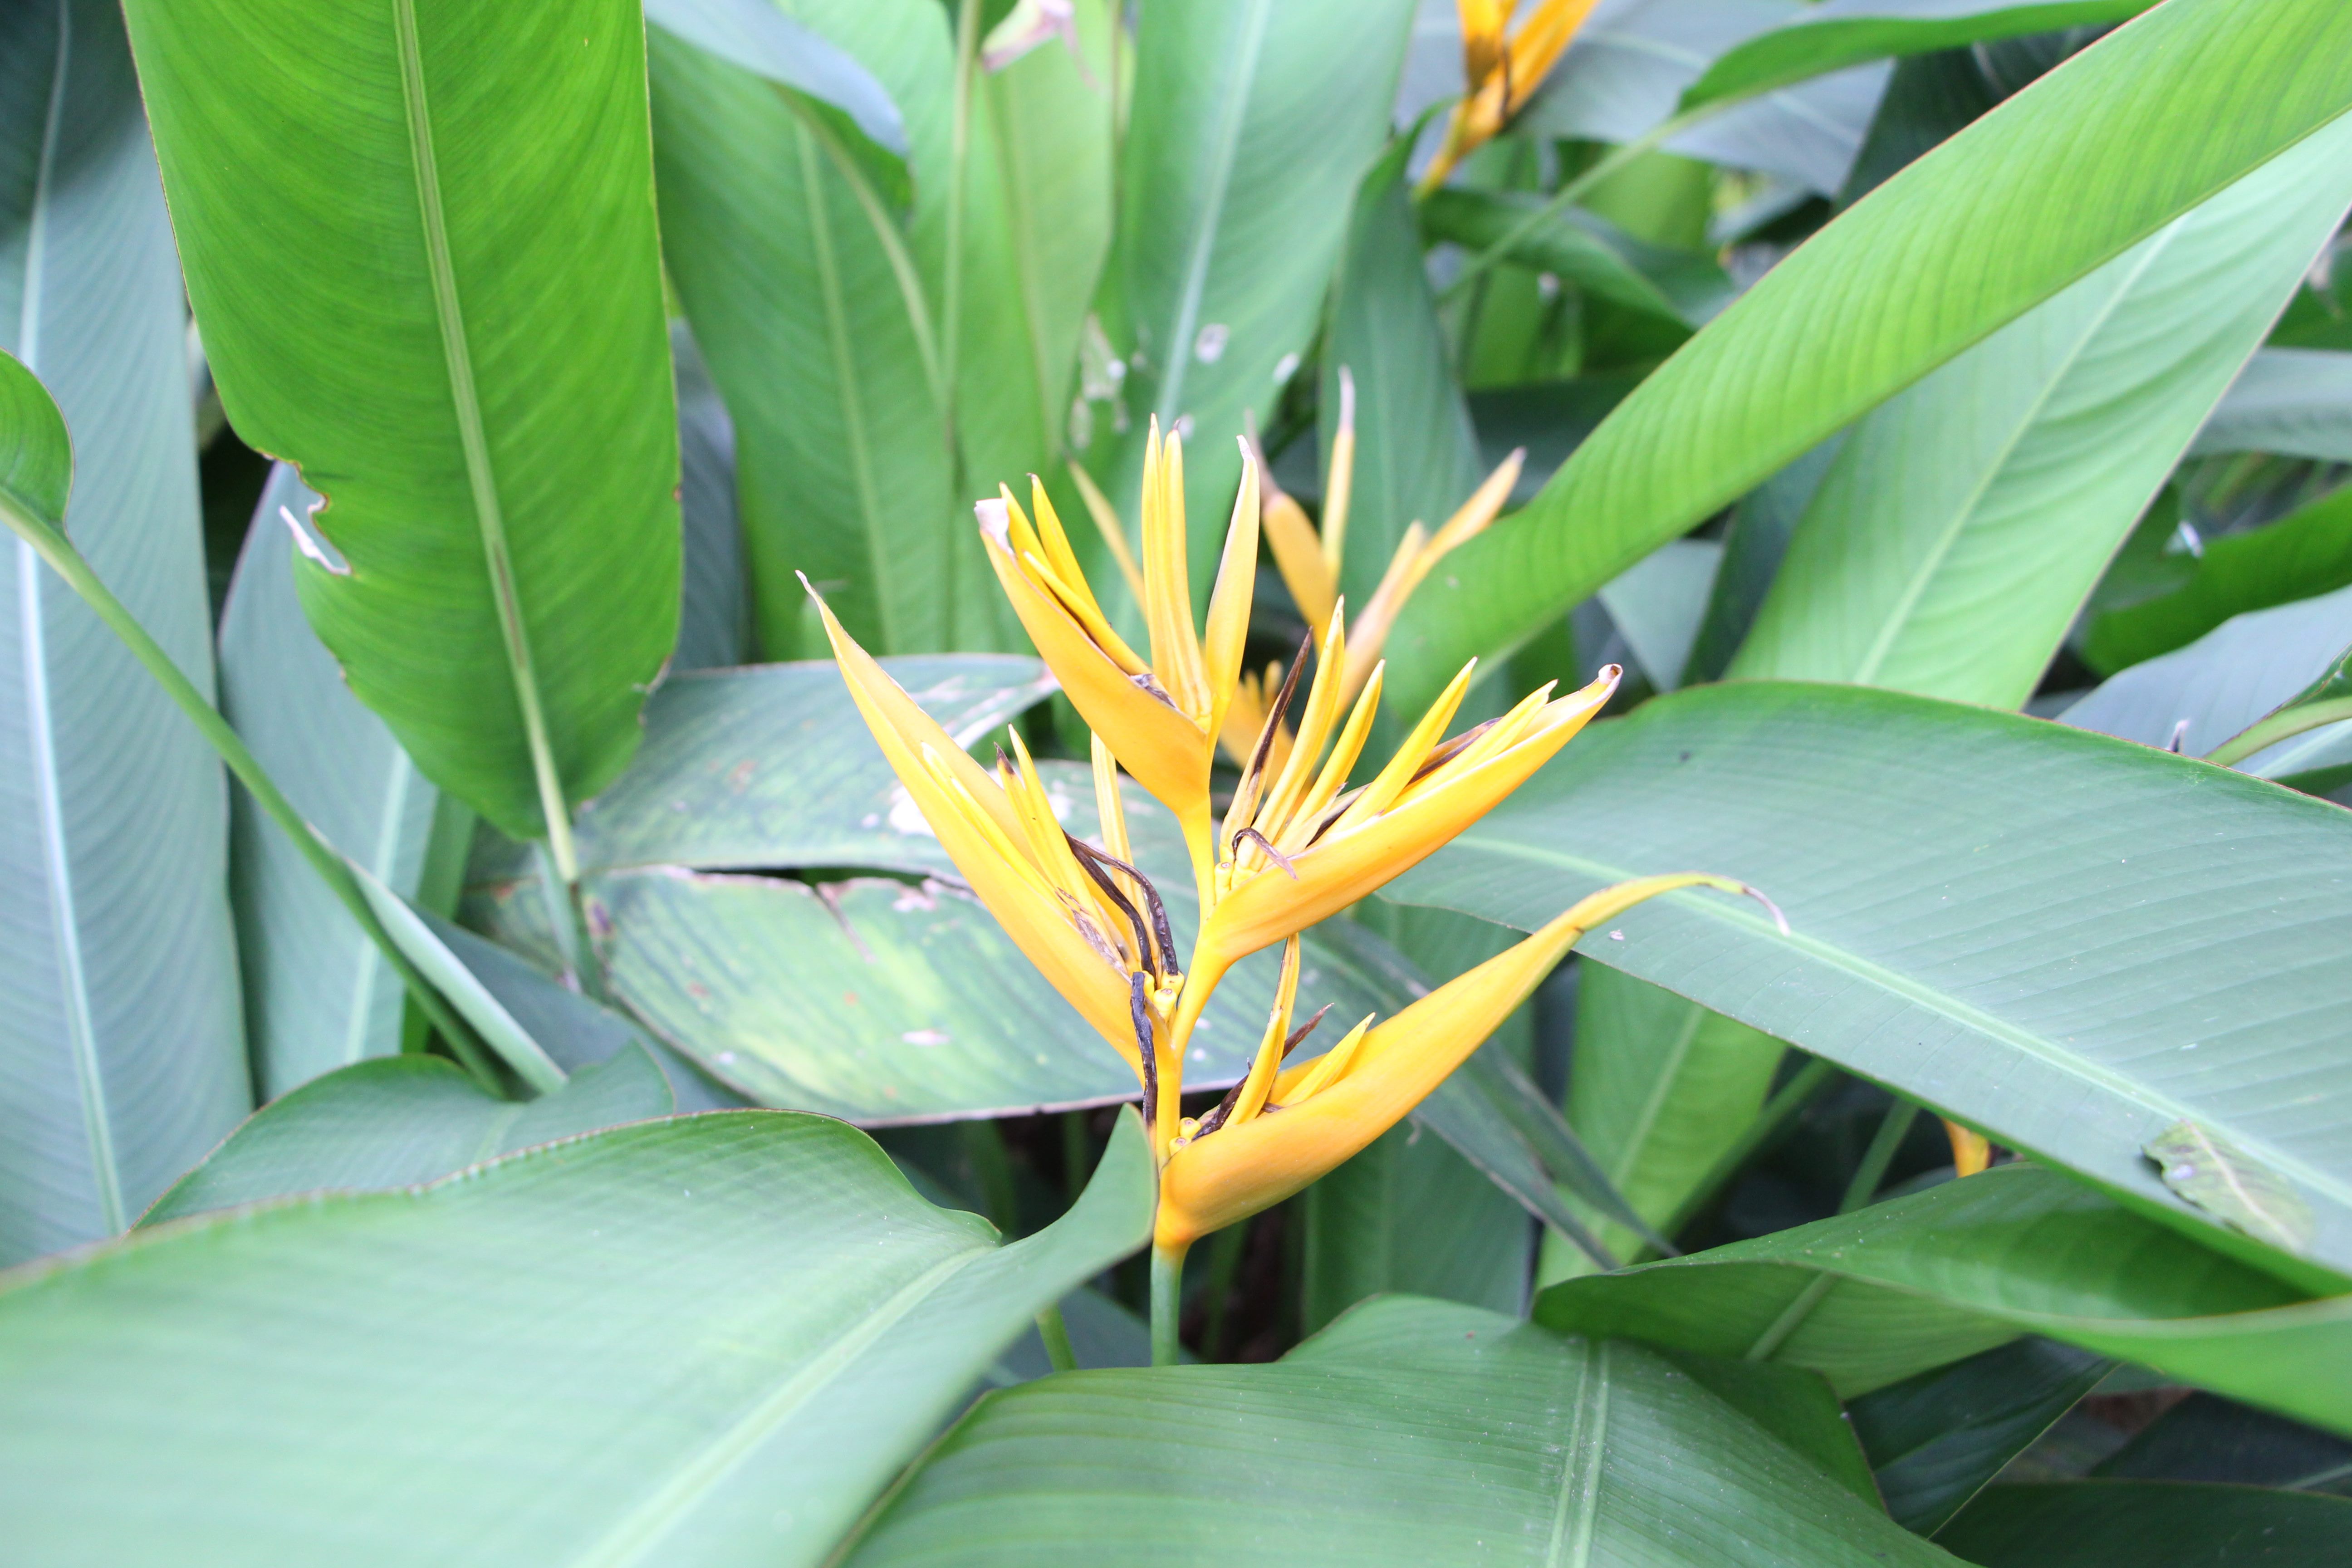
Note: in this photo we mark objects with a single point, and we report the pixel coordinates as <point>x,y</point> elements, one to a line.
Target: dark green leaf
<point>2151,1524</point>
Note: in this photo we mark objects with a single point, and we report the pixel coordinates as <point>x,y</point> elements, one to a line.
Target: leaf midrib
<point>1940,1002</point>
<point>1578,1510</point>
<point>57,859</point>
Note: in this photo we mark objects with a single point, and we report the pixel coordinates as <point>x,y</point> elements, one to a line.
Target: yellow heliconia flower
<point>1282,1128</point>
<point>1971,1150</point>
<point>1084,917</point>
<point>1501,76</point>
<point>1161,717</point>
<point>1310,560</point>
<point>1297,847</point>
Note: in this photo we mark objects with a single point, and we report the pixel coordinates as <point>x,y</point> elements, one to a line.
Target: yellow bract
<point>1296,844</point>
<point>1501,76</point>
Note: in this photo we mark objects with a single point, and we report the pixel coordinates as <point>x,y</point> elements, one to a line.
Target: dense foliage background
<point>1941,407</point>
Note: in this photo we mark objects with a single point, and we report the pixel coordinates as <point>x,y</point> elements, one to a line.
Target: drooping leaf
<point>1934,1440</point>
<point>121,1050</point>
<point>2096,155</point>
<point>1250,123</point>
<point>397,1121</point>
<point>2305,553</point>
<point>1964,522</point>
<point>2150,1524</point>
<point>1842,33</point>
<point>1411,1432</point>
<point>318,993</point>
<point>2293,402</point>
<point>2065,942</point>
<point>1658,1088</point>
<point>1871,1298</point>
<point>2225,682</point>
<point>415,212</point>
<point>260,1385</point>
<point>761,38</point>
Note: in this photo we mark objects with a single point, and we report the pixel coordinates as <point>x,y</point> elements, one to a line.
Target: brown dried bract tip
<point>1093,860</point>
<point>1277,856</point>
<point>1140,1008</point>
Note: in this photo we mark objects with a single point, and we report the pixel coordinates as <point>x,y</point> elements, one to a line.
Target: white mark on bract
<point>906,818</point>
<point>993,521</point>
<point>1286,367</point>
<point>1209,346</point>
<point>925,1037</point>
<point>312,545</point>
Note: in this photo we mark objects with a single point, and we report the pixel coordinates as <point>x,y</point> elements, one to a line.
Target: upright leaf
<point>2090,160</point>
<point>1964,522</point>
<point>318,993</point>
<point>121,1050</point>
<point>1251,122</point>
<point>420,242</point>
<point>708,1340</point>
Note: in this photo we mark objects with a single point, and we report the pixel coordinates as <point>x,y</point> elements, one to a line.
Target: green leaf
<point>1410,1432</point>
<point>435,222</point>
<point>400,1121</point>
<point>318,993</point>
<point>2226,681</point>
<point>1965,520</point>
<point>2151,1524</point>
<point>2222,1181</point>
<point>1659,605</point>
<point>817,316</point>
<point>261,1385</point>
<point>1935,1439</point>
<point>2294,402</point>
<point>2065,941</point>
<point>2305,553</point>
<point>120,1043</point>
<point>2209,1439</point>
<point>1658,1088</point>
<point>2310,716</point>
<point>714,624</point>
<point>1250,123</point>
<point>1848,32</point>
<point>1583,248</point>
<point>761,39</point>
<point>2090,160</point>
<point>1416,456</point>
<point>413,933</point>
<point>1871,1298</point>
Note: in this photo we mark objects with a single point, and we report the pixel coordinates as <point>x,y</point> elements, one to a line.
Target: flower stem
<point>1167,1301</point>
<point>1057,1335</point>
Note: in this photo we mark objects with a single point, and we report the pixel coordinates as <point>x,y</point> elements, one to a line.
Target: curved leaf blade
<point>2063,941</point>
<point>761,39</point>
<point>2183,102</point>
<point>395,229</point>
<point>259,1384</point>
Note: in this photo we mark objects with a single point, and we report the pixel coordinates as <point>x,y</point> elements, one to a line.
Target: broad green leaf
<point>1583,248</point>
<point>1847,32</point>
<point>2089,161</point>
<point>881,1002</point>
<point>1250,123</point>
<point>1871,1298</point>
<point>816,316</point>
<point>2225,682</point>
<point>420,243</point>
<point>1411,1432</point>
<point>1964,522</point>
<point>2067,941</point>
<point>708,1340</point>
<point>1934,1440</point>
<point>761,39</point>
<point>399,1121</point>
<point>2294,402</point>
<point>318,993</point>
<point>121,1050</point>
<point>1658,1088</point>
<point>2151,1524</point>
<point>1416,456</point>
<point>2305,554</point>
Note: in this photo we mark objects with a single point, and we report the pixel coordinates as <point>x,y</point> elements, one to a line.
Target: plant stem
<point>1869,1175</point>
<point>68,563</point>
<point>1057,1335</point>
<point>1167,1302</point>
